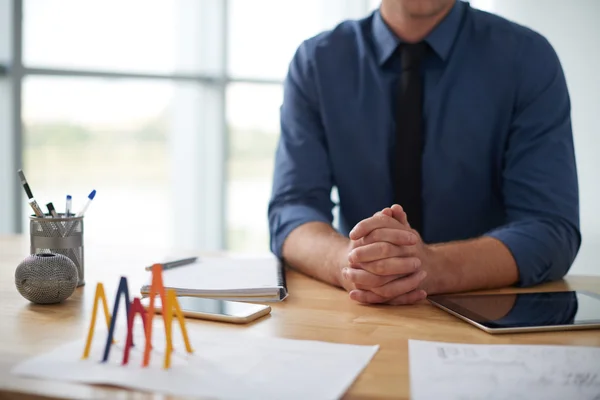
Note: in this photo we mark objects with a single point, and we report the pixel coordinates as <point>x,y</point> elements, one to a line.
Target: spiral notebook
<point>227,278</point>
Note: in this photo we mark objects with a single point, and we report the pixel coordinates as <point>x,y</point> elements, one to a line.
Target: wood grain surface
<point>313,311</point>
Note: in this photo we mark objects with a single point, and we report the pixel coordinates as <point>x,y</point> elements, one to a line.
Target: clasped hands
<point>387,262</point>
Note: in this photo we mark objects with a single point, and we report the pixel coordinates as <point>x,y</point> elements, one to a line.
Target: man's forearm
<point>318,250</point>
<point>482,263</point>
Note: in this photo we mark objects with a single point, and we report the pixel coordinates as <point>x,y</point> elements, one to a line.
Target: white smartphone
<point>215,310</point>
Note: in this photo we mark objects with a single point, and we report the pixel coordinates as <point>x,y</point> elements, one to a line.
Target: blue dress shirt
<point>498,156</point>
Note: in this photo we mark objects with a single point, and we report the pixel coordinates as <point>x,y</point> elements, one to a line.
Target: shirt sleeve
<point>539,180</point>
<point>302,179</point>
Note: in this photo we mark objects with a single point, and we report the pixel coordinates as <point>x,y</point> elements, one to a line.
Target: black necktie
<point>409,134</point>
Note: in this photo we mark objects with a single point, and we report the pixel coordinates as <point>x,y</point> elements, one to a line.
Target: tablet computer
<point>524,312</point>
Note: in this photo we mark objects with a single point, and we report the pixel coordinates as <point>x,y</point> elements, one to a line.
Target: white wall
<point>572,28</point>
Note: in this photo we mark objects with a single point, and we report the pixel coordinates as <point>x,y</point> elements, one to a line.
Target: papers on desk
<point>468,371</point>
<point>232,366</point>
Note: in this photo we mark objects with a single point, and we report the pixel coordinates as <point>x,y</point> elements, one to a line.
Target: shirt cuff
<point>289,217</point>
<point>541,250</point>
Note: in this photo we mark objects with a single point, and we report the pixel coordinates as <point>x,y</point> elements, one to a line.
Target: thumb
<point>387,211</point>
<point>399,215</point>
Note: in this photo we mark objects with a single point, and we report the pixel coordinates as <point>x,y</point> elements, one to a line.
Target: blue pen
<point>68,206</point>
<point>87,204</point>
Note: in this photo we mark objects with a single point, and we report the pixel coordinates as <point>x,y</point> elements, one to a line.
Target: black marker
<point>34,205</point>
<point>52,210</point>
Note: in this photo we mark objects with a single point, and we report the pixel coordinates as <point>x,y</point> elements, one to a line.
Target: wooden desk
<point>313,311</point>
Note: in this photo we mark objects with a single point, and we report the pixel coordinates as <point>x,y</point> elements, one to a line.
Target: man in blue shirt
<point>498,197</point>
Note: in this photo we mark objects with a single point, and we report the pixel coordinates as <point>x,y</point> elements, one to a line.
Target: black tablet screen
<point>525,309</point>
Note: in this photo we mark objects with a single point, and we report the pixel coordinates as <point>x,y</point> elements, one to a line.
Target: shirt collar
<point>440,39</point>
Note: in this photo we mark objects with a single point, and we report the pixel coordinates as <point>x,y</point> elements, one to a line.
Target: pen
<point>34,205</point>
<point>68,206</point>
<point>54,214</point>
<point>52,210</point>
<point>87,204</point>
<point>176,263</point>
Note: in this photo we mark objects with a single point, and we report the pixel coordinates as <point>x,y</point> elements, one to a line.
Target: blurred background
<point>170,110</point>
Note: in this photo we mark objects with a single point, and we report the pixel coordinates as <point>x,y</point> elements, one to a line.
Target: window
<point>128,139</point>
<point>160,36</point>
<point>262,50</point>
<point>264,34</point>
<point>253,124</point>
<point>169,109</point>
<point>123,98</point>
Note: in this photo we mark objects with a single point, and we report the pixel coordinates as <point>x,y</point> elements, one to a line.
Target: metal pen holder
<point>62,235</point>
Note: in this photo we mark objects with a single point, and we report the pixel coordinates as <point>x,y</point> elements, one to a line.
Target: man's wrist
<point>340,261</point>
<point>436,265</point>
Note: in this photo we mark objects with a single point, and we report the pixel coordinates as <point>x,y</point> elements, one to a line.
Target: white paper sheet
<point>222,366</point>
<point>467,371</point>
